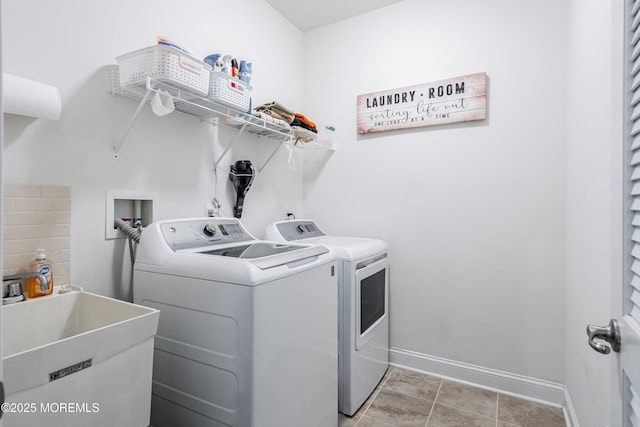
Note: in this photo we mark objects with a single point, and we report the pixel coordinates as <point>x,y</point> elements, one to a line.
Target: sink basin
<point>77,359</point>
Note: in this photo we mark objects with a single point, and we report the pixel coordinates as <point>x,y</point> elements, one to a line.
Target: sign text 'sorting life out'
<point>460,99</point>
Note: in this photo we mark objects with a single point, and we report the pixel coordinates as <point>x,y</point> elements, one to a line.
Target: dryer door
<point>372,298</point>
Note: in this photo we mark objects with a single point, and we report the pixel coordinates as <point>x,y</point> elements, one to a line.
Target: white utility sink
<point>77,359</point>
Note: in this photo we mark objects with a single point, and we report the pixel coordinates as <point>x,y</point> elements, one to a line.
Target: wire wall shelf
<point>205,109</point>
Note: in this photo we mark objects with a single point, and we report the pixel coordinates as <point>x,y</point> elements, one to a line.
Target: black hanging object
<point>241,176</point>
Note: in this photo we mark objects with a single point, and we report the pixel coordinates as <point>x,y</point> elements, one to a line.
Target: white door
<point>630,322</point>
<point>622,335</point>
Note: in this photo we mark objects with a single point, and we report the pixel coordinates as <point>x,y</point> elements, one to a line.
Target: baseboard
<point>569,411</point>
<point>546,392</point>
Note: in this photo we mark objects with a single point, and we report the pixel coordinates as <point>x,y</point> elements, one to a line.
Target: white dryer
<point>363,295</point>
<point>247,333</point>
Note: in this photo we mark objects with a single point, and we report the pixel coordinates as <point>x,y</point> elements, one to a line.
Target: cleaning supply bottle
<point>43,266</point>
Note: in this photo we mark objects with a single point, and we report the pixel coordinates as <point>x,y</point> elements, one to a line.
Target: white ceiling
<point>310,14</point>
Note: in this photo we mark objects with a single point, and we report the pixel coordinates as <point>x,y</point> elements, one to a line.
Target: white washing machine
<point>247,333</point>
<point>363,295</point>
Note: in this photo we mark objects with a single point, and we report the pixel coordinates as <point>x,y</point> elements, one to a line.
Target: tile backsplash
<point>36,216</point>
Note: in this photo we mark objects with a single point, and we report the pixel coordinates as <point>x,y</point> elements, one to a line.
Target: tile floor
<point>407,398</point>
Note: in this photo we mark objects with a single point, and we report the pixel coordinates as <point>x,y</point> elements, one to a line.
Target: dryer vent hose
<point>133,233</point>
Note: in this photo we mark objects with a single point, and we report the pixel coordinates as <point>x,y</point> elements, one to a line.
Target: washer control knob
<point>300,228</point>
<point>209,230</point>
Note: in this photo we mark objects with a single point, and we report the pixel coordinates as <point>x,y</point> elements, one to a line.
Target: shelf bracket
<point>274,153</point>
<point>143,101</point>
<point>215,164</point>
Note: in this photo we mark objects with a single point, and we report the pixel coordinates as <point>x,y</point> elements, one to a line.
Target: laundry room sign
<point>459,99</point>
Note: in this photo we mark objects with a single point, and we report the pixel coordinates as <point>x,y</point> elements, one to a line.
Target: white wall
<point>474,213</point>
<point>594,203</point>
<point>69,42</point>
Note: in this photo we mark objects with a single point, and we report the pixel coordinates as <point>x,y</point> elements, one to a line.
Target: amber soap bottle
<point>43,266</point>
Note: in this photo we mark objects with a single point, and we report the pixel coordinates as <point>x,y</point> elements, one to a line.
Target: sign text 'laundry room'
<point>460,99</point>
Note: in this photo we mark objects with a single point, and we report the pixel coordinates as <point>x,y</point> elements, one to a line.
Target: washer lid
<point>268,254</point>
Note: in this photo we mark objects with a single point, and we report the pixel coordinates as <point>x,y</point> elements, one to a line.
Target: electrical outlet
<point>209,210</point>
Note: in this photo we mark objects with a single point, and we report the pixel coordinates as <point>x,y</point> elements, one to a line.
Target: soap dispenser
<point>43,266</point>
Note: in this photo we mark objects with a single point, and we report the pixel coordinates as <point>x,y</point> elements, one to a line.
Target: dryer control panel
<point>299,229</point>
<point>198,233</point>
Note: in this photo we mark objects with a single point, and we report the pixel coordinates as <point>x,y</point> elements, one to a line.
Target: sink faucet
<point>44,285</point>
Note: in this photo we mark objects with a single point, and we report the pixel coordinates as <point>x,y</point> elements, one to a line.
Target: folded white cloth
<point>271,119</point>
<point>275,105</point>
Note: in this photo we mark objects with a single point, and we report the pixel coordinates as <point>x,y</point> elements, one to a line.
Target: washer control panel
<point>299,229</point>
<point>197,233</point>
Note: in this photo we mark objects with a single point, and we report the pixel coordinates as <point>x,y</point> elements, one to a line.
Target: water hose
<point>133,233</point>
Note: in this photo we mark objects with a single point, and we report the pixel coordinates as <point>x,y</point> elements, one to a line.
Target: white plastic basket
<point>165,64</point>
<point>231,92</point>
